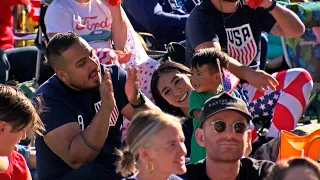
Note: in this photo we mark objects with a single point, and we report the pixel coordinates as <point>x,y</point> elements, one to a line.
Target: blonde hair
<point>140,132</point>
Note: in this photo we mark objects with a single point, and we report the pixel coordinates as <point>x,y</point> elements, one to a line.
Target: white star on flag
<point>262,106</point>
<point>251,109</point>
<point>262,98</point>
<point>256,115</point>
<point>270,102</point>
<point>265,114</point>
<point>275,96</point>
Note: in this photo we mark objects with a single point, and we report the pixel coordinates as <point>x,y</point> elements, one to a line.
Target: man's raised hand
<point>106,91</point>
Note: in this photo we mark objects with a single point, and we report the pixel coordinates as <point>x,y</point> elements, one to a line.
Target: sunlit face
<point>82,67</point>
<point>167,150</point>
<point>9,139</point>
<point>227,146</point>
<point>175,88</point>
<point>301,173</point>
<point>204,80</point>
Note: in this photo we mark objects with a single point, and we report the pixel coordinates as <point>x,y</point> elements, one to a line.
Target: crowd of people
<point>110,111</point>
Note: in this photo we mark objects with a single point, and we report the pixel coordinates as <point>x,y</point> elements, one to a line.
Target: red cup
<point>249,135</point>
<point>114,2</point>
<point>254,3</point>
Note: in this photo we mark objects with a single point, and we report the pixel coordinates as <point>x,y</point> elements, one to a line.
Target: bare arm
<point>256,78</point>
<point>288,23</point>
<point>196,114</point>
<point>66,140</point>
<point>128,111</point>
<point>118,27</point>
<point>231,64</point>
<point>134,97</point>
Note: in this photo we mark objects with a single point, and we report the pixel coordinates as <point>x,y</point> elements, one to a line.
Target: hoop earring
<point>151,168</point>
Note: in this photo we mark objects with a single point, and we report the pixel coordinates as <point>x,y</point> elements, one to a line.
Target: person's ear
<point>200,137</point>
<point>217,77</point>
<point>144,155</point>
<point>62,76</point>
<point>3,126</point>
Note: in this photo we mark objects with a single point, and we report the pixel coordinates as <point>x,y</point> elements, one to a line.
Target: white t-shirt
<point>92,20</point>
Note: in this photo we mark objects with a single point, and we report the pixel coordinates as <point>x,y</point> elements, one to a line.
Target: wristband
<point>142,103</point>
<point>273,5</point>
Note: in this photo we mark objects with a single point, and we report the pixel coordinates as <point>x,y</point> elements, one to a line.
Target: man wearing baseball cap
<point>223,131</point>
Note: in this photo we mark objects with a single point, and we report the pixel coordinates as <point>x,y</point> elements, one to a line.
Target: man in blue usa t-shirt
<point>84,105</point>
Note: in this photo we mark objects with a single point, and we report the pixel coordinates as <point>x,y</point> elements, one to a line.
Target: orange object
<point>114,2</point>
<point>254,3</point>
<point>292,145</point>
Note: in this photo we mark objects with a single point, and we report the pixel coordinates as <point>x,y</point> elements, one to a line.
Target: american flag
<point>114,116</point>
<point>230,81</point>
<point>106,56</point>
<point>34,10</point>
<point>241,46</point>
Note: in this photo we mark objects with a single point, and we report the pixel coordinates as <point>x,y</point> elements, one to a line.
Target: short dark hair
<point>18,111</point>
<point>58,44</point>
<point>281,169</point>
<point>163,68</point>
<point>206,56</point>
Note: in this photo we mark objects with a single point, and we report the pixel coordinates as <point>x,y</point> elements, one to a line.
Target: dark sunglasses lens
<point>220,126</point>
<point>239,127</point>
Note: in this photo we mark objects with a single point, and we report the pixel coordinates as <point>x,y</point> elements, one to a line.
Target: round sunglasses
<point>237,127</point>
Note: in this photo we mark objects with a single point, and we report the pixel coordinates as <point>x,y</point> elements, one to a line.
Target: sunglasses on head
<point>237,127</point>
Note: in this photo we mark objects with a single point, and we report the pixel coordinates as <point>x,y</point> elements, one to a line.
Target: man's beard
<point>85,88</point>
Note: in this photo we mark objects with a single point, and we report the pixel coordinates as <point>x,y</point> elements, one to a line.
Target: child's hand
<point>123,57</point>
<point>196,114</point>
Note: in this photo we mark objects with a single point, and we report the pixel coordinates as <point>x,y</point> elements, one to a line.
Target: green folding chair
<point>304,51</point>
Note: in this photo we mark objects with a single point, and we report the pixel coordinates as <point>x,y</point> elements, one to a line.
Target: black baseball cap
<point>223,102</point>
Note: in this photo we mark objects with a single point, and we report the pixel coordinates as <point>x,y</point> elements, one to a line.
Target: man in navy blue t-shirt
<point>84,105</point>
<point>235,28</point>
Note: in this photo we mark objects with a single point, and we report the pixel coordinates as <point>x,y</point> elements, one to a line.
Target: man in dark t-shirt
<point>84,108</point>
<point>235,28</point>
<point>238,33</point>
<point>224,133</point>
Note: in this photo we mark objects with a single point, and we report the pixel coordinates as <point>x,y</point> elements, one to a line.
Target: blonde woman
<point>154,148</point>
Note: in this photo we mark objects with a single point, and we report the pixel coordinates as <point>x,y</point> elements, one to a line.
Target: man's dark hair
<point>59,44</point>
<point>281,169</point>
<point>206,56</point>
